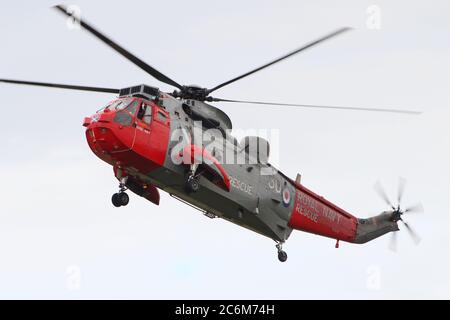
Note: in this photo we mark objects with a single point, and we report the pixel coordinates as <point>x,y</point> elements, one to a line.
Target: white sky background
<point>56,213</point>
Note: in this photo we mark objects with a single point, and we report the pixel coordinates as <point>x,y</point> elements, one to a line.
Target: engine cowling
<point>257,148</point>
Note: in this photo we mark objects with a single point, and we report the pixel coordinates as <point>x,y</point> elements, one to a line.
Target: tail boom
<point>374,227</point>
<point>314,214</point>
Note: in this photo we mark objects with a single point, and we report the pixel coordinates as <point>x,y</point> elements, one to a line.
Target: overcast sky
<point>60,237</point>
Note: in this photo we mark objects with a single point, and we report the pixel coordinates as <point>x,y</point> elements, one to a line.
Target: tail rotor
<point>396,212</point>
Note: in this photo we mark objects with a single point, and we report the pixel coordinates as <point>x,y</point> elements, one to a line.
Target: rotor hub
<point>192,92</point>
<point>397,214</point>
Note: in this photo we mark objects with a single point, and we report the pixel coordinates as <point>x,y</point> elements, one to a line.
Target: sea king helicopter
<point>148,137</point>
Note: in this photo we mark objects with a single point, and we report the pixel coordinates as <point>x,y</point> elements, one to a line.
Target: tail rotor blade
<point>416,238</point>
<point>380,190</point>
<point>401,189</point>
<point>393,242</point>
<point>417,208</point>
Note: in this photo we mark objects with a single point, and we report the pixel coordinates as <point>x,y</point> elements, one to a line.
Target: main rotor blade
<point>318,106</point>
<point>152,71</point>
<point>417,208</point>
<point>62,86</point>
<point>307,46</point>
<point>416,238</point>
<point>380,190</point>
<point>401,189</point>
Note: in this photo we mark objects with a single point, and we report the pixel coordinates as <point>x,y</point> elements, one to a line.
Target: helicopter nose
<point>94,119</point>
<point>87,121</point>
<point>103,141</point>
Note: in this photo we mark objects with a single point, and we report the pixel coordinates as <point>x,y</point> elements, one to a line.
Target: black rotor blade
<point>380,190</point>
<point>152,71</point>
<point>317,106</point>
<point>401,189</point>
<point>62,86</point>
<point>416,238</point>
<point>417,208</point>
<point>307,46</point>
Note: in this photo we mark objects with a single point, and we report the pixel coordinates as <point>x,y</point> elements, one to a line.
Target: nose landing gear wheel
<point>115,200</point>
<point>120,199</point>
<point>124,199</point>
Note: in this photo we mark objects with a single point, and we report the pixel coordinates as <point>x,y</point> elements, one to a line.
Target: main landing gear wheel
<point>120,199</point>
<point>282,255</point>
<point>191,184</point>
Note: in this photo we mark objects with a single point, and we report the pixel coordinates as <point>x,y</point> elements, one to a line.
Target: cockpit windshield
<point>125,110</point>
<point>120,104</point>
<point>116,105</point>
<point>132,107</point>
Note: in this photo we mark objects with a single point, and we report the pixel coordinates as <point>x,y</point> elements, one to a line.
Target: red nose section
<point>104,143</point>
<point>117,136</point>
<point>87,121</point>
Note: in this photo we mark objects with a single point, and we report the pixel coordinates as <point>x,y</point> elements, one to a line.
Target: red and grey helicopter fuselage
<point>150,138</point>
<point>137,135</point>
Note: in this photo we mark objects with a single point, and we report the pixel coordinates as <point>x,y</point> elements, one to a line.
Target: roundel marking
<point>286,197</point>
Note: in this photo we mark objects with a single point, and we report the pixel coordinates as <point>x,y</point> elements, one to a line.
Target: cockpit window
<point>132,107</point>
<point>123,118</point>
<point>126,109</point>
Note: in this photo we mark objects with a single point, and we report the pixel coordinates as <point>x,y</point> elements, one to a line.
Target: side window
<point>145,113</point>
<point>148,114</point>
<point>161,116</point>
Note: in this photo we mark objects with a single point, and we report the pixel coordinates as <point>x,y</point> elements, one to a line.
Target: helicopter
<point>151,140</point>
